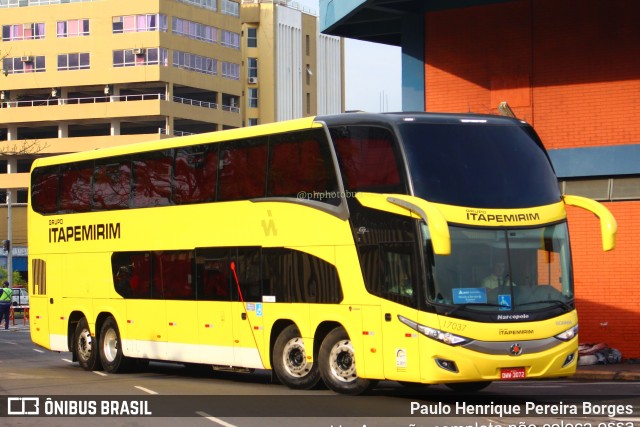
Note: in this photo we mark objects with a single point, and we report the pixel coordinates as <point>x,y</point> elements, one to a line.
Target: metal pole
<point>10,239</point>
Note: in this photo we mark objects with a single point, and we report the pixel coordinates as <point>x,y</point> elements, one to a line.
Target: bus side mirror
<point>413,206</point>
<point>608,224</point>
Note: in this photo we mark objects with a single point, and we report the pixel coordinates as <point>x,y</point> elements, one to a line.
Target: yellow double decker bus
<point>420,248</point>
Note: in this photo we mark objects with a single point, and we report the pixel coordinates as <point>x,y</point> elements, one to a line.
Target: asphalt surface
<point>628,370</point>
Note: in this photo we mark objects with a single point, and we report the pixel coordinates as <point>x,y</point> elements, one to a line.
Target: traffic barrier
<point>25,314</point>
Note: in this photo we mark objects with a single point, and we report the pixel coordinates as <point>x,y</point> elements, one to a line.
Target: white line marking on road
<point>146,390</point>
<point>102,374</point>
<point>214,419</point>
<point>38,351</point>
<point>67,360</point>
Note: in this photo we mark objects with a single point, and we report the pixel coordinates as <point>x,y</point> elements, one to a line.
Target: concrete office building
<point>87,74</point>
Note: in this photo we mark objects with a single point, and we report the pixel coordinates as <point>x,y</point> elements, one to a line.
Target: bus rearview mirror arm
<point>608,224</point>
<point>438,227</point>
<point>400,204</point>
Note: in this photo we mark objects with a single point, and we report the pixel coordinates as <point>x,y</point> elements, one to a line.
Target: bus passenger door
<point>39,307</point>
<point>144,332</point>
<point>248,320</point>
<point>215,323</point>
<point>54,303</point>
<point>398,285</point>
<point>401,344</point>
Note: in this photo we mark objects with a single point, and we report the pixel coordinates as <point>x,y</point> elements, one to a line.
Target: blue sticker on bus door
<point>259,309</point>
<point>469,295</point>
<point>504,301</point>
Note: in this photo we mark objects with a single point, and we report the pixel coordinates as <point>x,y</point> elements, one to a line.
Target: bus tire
<point>113,359</point>
<point>468,387</point>
<point>338,364</point>
<point>85,347</point>
<point>290,362</point>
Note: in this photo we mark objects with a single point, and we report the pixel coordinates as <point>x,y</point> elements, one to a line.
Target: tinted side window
<point>132,274</point>
<point>388,254</point>
<point>243,169</point>
<point>298,162</point>
<point>75,188</point>
<point>367,159</point>
<point>195,174</point>
<point>293,276</point>
<point>172,275</point>
<point>112,184</point>
<point>213,274</point>
<point>152,179</point>
<point>249,274</point>
<point>44,189</point>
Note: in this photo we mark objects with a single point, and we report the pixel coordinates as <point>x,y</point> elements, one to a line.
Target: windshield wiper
<point>482,304</point>
<point>557,302</point>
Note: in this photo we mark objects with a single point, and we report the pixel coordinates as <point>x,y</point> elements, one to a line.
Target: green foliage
<point>17,278</point>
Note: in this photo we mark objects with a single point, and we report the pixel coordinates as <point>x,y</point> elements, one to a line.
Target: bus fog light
<point>447,365</point>
<point>569,359</point>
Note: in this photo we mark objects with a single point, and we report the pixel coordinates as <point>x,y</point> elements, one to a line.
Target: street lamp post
<point>9,245</point>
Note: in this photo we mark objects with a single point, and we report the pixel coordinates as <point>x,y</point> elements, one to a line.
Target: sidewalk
<point>618,372</point>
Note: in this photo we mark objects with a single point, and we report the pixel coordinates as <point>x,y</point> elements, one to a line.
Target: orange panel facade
<point>578,84</point>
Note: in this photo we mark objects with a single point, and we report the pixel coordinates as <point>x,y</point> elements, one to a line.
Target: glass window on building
<point>252,37</point>
<point>23,165</point>
<point>253,98</point>
<point>252,67</point>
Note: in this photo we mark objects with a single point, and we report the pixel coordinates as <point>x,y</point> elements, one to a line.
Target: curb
<point>620,375</point>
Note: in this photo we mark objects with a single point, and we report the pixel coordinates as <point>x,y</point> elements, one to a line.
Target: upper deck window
<point>279,165</point>
<point>368,160</point>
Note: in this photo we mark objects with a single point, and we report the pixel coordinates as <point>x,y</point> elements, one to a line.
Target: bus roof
<point>166,143</point>
<point>422,117</point>
<point>277,127</point>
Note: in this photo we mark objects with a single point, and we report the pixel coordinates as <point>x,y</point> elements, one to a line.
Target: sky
<point>373,80</point>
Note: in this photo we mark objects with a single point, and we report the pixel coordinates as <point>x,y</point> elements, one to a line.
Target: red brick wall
<point>571,68</point>
<point>607,283</point>
<point>568,67</point>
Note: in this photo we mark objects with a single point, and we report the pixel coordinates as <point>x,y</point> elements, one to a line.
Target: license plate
<point>510,374</point>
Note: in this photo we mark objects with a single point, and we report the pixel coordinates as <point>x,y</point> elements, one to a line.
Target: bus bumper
<point>458,364</point>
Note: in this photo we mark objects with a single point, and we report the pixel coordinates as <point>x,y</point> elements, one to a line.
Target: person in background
<point>497,278</point>
<point>5,303</point>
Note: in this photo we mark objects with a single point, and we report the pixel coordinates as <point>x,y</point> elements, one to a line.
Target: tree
<point>17,278</point>
<point>22,147</point>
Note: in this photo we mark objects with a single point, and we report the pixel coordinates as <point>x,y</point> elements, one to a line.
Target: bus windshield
<point>503,270</point>
<point>479,164</point>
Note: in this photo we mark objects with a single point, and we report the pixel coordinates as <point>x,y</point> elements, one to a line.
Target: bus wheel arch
<point>110,344</point>
<point>290,359</point>
<point>337,363</point>
<point>85,346</point>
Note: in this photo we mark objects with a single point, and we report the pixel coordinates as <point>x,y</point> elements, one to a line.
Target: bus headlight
<point>569,334</point>
<point>435,334</point>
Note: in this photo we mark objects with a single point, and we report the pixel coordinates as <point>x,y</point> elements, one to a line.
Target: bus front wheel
<point>338,364</point>
<point>111,355</point>
<point>85,347</point>
<point>290,361</point>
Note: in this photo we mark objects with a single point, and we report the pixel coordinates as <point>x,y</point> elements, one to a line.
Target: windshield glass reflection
<point>503,270</point>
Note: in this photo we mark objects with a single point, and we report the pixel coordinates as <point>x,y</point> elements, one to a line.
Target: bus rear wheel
<point>85,347</point>
<point>338,364</point>
<point>290,361</point>
<point>113,359</point>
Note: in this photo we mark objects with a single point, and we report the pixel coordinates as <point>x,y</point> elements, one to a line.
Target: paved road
<point>177,395</point>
